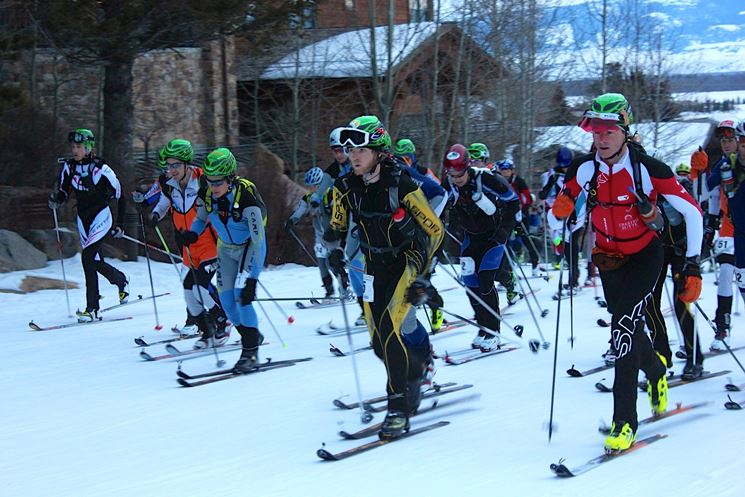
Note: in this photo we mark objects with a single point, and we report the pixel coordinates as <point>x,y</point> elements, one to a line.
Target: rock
<point>46,241</point>
<point>16,254</point>
<point>36,283</point>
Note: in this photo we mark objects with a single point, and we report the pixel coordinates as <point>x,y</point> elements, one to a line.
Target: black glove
<point>712,224</point>
<point>153,220</point>
<point>56,199</point>
<point>289,225</point>
<point>248,294</point>
<point>336,261</point>
<point>331,235</point>
<point>315,204</point>
<point>185,238</point>
<point>117,232</point>
<point>420,291</point>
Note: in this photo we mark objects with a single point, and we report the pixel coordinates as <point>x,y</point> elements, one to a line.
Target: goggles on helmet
<point>76,137</point>
<point>727,133</point>
<point>591,118</point>
<point>596,124</point>
<point>353,137</point>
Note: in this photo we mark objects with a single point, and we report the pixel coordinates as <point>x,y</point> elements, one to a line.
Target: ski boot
<point>191,326</point>
<point>620,438</point>
<point>476,343</point>
<point>123,292</point>
<point>692,372</point>
<point>429,370</point>
<point>250,340</point>
<point>222,327</point>
<point>491,343</point>
<point>610,356</point>
<point>536,272</point>
<point>328,285</point>
<point>394,425</point>
<point>436,319</point>
<point>722,320</point>
<point>87,316</point>
<point>657,391</point>
<point>719,344</point>
<point>208,333</point>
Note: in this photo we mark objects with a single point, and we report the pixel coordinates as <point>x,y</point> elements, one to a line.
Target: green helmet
<point>683,168</point>
<point>84,136</point>
<point>162,159</point>
<point>405,146</point>
<point>179,149</point>
<point>377,136</point>
<point>220,162</point>
<point>609,107</point>
<point>478,151</point>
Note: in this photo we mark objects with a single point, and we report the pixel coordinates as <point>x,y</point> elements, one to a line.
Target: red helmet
<point>456,159</point>
<point>726,129</point>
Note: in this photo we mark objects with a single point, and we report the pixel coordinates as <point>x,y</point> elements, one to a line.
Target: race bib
<point>740,278</point>
<point>724,245</point>
<point>368,292</point>
<point>467,266</point>
<point>321,251</point>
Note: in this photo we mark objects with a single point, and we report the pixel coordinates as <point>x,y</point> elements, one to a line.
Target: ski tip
<point>574,373</point>
<point>146,356</point>
<point>326,455</point>
<point>731,387</point>
<point>34,326</point>
<point>183,382</point>
<point>560,470</point>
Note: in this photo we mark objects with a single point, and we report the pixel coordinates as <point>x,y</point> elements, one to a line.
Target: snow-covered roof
<point>348,55</point>
<point>676,140</point>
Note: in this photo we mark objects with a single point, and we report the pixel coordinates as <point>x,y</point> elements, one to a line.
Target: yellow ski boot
<point>657,391</point>
<point>620,438</point>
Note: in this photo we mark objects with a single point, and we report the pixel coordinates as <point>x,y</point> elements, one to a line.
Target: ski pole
<point>290,319</point>
<point>158,326</point>
<point>271,323</point>
<point>168,251</point>
<point>152,247</point>
<point>681,338</point>
<point>292,233</point>
<point>544,343</point>
<point>715,330</point>
<point>218,362</point>
<point>544,312</point>
<point>532,344</point>
<point>572,249</point>
<point>62,262</point>
<point>365,416</point>
<point>556,349</point>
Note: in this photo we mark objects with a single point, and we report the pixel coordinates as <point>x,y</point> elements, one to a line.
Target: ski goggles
<point>725,133</point>
<point>353,137</point>
<point>605,120</point>
<point>597,125</point>
<point>76,137</point>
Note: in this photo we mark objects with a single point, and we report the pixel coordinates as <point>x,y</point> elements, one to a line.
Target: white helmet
<point>334,140</point>
<point>314,176</point>
<point>740,129</point>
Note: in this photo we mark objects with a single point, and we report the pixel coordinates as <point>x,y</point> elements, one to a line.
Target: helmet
<point>726,129</point>
<point>504,165</point>
<point>367,132</point>
<point>405,146</point>
<point>82,135</point>
<point>162,158</point>
<point>683,168</point>
<point>334,137</point>
<point>314,176</point>
<point>176,149</point>
<point>456,159</point>
<point>740,129</point>
<point>220,162</point>
<point>611,107</point>
<point>564,157</point>
<point>478,151</point>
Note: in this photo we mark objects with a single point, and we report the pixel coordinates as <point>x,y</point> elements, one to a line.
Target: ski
<point>731,387</point>
<point>331,329</point>
<point>734,406</point>
<point>339,353</point>
<point>320,303</point>
<point>36,327</point>
<point>679,408</point>
<point>175,351</point>
<point>428,394</point>
<point>450,325</point>
<point>328,456</point>
<point>559,469</point>
<point>374,400</point>
<point>575,373</point>
<point>139,298</point>
<point>268,362</point>
<point>677,380</point>
<point>457,361</point>
<point>144,343</point>
<point>228,376</point>
<point>193,352</point>
<point>374,428</point>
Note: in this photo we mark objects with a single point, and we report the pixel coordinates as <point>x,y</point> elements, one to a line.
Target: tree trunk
<point>118,121</point>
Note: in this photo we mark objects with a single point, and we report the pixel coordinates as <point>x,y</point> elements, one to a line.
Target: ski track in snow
<point>82,415</point>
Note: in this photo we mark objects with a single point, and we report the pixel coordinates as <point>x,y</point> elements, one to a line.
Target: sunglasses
<point>353,137</point>
<point>216,182</point>
<point>174,165</point>
<point>453,173</point>
<point>79,138</point>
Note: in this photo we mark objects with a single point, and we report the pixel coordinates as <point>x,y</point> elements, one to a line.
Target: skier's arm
<point>254,218</point>
<point>681,200</point>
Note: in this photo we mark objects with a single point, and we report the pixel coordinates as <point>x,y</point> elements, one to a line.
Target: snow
<point>348,55</point>
<point>82,415</point>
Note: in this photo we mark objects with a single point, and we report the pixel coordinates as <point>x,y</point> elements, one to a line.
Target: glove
<point>712,224</point>
<point>699,160</point>
<point>420,291</point>
<point>117,232</point>
<point>289,225</point>
<point>336,261</point>
<point>690,276</point>
<point>185,238</point>
<point>56,199</point>
<point>331,235</point>
<point>248,294</point>
<point>315,204</point>
<point>138,197</point>
<point>153,220</point>
<point>563,206</point>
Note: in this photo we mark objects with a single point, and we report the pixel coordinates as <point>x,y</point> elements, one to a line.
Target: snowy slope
<point>82,415</point>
